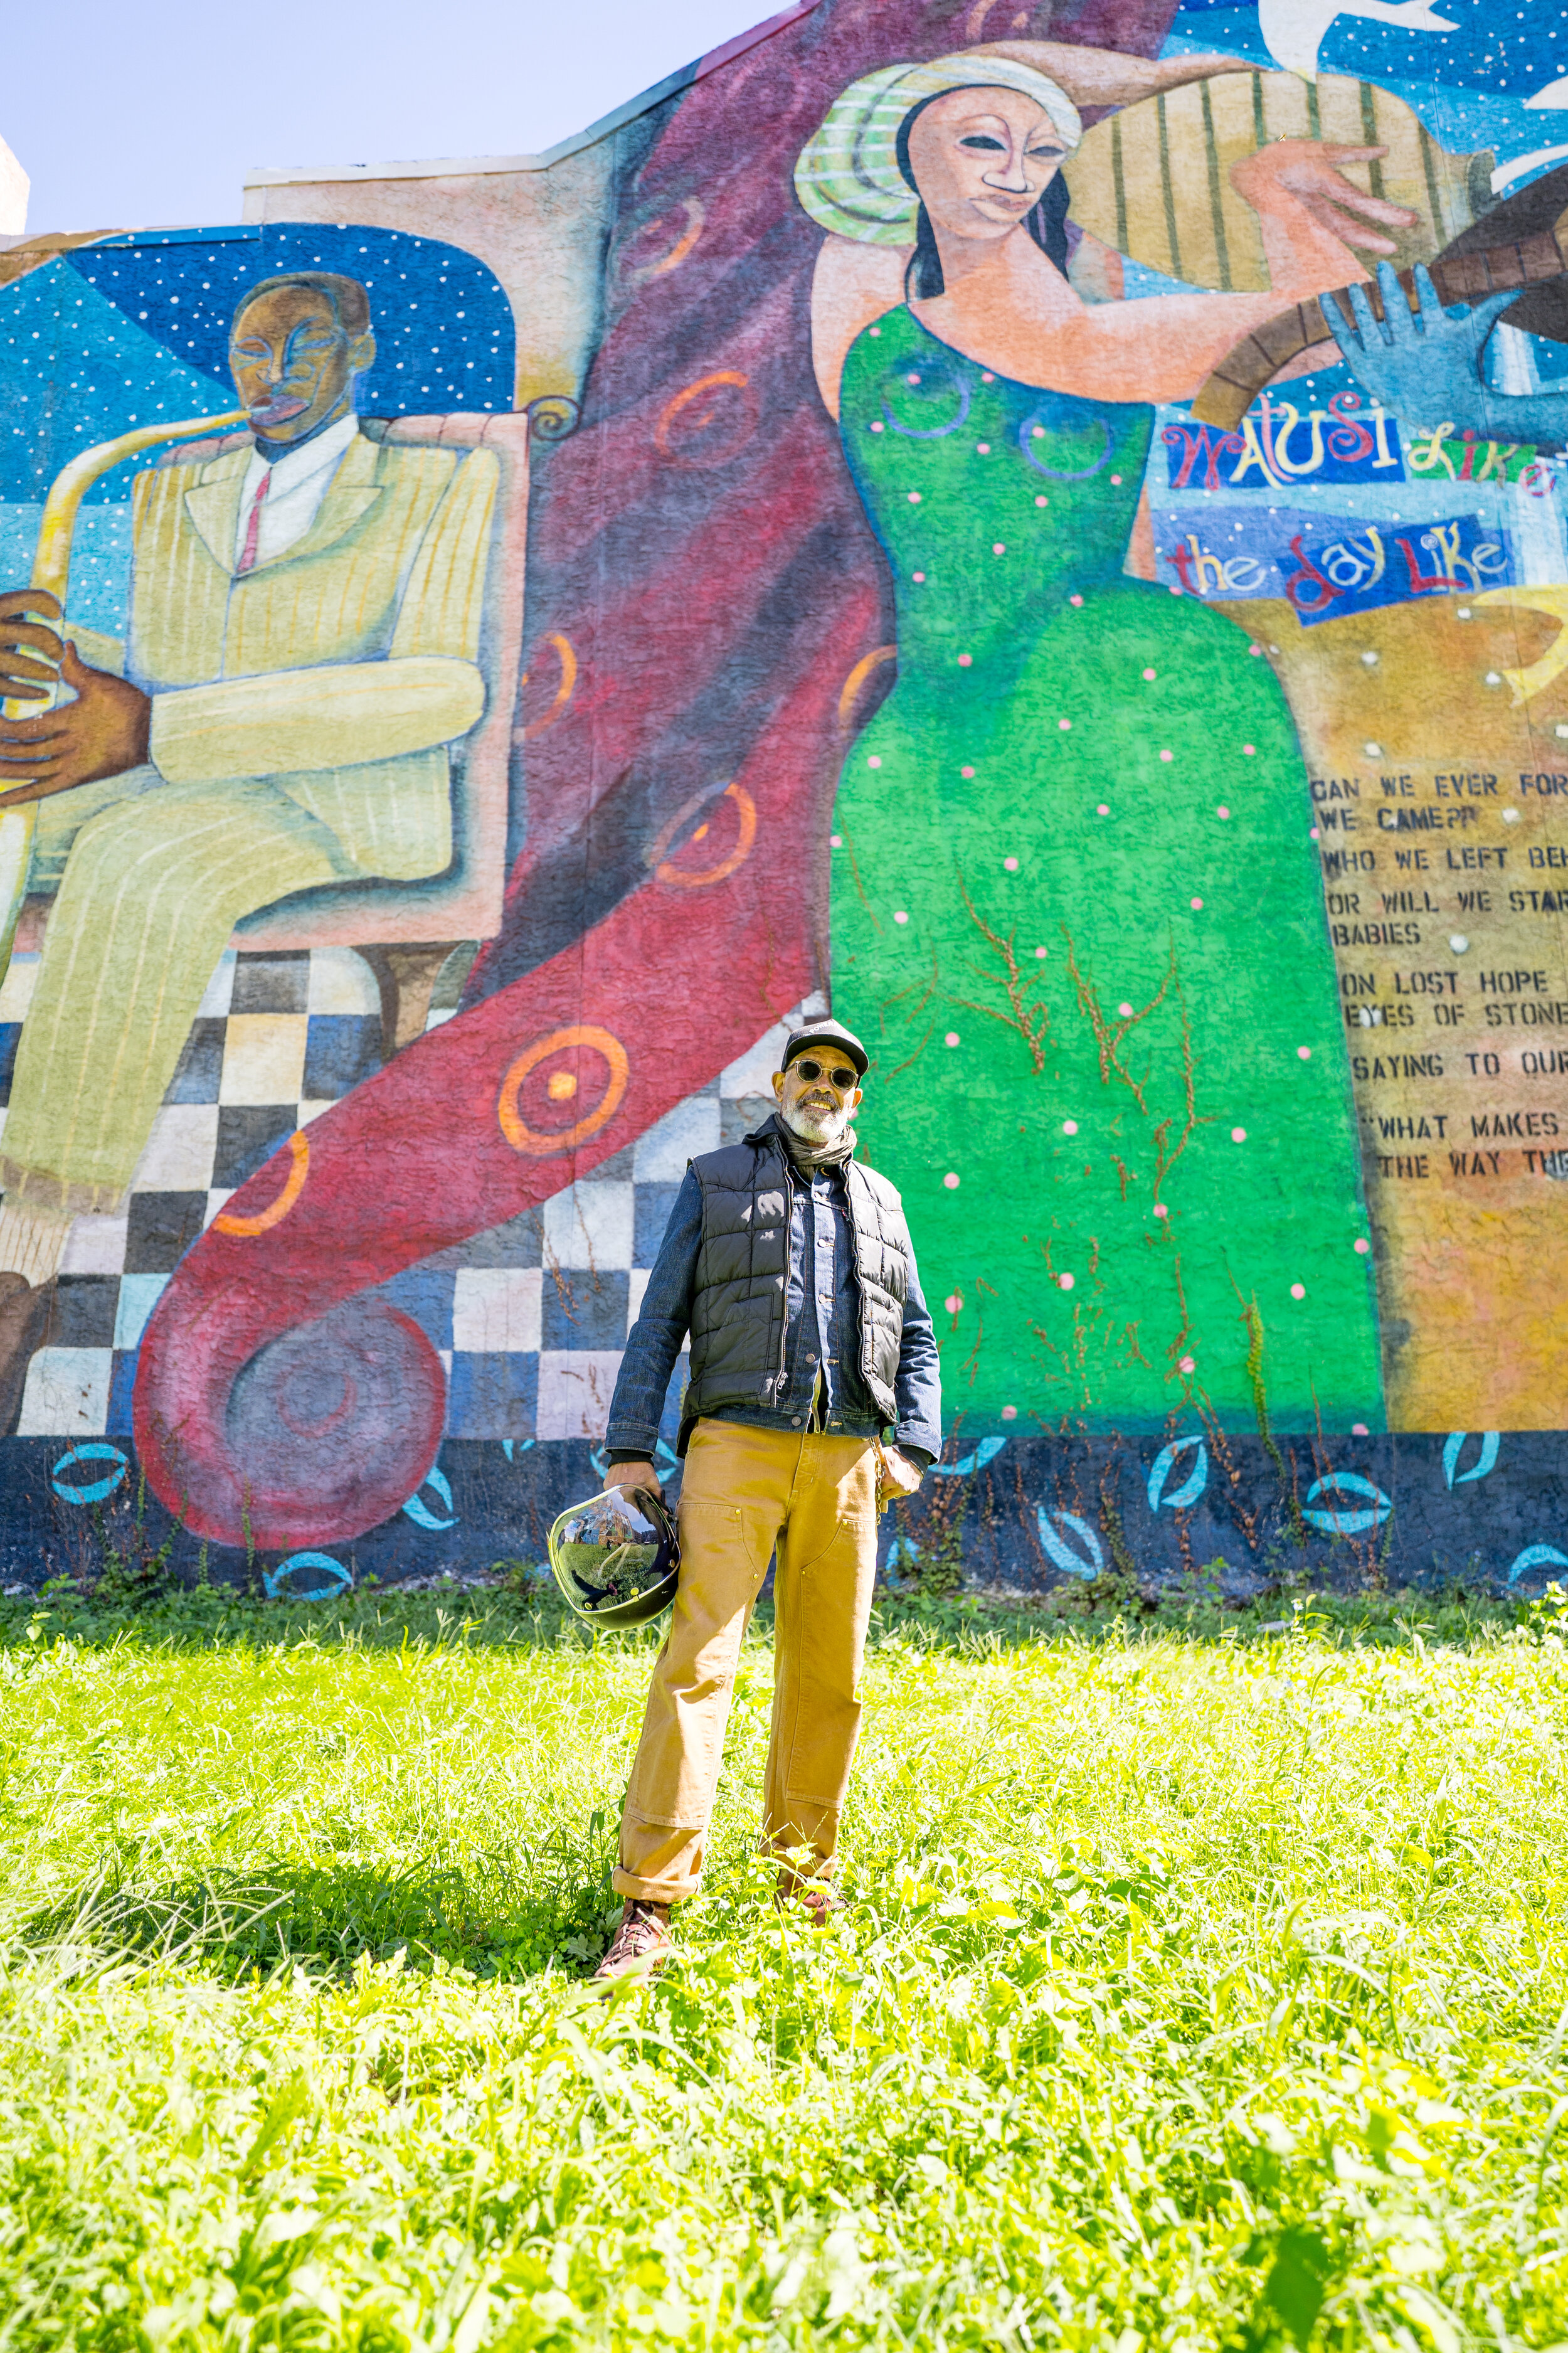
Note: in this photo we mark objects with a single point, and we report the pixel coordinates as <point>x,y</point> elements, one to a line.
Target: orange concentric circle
<point>563,692</point>
<point>676,417</point>
<point>747,835</point>
<point>541,1141</point>
<point>275,1211</point>
<point>849,693</point>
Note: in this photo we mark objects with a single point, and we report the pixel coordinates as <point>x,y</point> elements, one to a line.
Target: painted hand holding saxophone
<point>37,662</point>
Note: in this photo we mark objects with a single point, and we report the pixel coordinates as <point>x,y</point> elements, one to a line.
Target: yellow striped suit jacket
<point>343,668</point>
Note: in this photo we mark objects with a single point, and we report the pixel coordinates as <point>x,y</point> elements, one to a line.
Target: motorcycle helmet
<point>616,1557</point>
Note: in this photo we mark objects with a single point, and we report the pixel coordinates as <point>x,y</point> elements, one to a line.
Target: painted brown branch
<point>1108,1035</point>
<point>1164,1160</point>
<point>1030,1017</point>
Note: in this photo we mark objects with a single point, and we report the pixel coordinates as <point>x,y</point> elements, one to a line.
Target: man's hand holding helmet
<point>633,1474</point>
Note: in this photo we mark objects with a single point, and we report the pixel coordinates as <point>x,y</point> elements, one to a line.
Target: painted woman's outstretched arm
<point>1012,311</point>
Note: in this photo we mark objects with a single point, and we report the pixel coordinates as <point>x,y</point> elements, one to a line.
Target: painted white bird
<point>1293,30</point>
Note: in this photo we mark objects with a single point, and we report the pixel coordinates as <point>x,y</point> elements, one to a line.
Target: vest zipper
<point>789,1237</point>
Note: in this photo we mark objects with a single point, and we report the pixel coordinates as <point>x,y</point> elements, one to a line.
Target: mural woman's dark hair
<point>1047,224</point>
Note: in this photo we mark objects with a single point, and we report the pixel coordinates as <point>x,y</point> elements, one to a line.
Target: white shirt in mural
<point>297,485</point>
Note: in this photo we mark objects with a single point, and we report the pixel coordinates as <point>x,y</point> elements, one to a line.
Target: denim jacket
<point>821,1338</point>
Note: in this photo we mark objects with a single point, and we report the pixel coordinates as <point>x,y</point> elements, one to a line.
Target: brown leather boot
<point>641,1945</point>
<point>26,1315</point>
<point>818,1898</point>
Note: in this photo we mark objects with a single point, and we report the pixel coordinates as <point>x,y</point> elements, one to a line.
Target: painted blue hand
<point>1426,364</point>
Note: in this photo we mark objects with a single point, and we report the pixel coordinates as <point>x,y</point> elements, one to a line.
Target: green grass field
<point>1204,1986</point>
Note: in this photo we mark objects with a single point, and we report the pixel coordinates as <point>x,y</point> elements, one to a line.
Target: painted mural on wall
<point>981,538</point>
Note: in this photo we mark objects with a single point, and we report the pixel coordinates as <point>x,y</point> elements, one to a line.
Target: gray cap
<point>826,1033</point>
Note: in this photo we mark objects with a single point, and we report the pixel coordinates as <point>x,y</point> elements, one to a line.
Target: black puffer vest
<point>739,1308</point>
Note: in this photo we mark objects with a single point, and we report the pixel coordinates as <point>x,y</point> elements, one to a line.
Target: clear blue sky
<point>126,116</point>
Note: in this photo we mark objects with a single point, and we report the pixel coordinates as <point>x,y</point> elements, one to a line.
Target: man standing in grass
<point>791,1266</point>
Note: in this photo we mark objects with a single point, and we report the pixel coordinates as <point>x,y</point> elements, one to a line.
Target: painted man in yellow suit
<point>301,656</point>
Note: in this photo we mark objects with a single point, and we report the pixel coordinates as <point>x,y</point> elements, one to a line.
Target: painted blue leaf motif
<point>96,1491</point>
<point>1061,1552</point>
<point>275,1579</point>
<point>420,1511</point>
<point>1165,1461</point>
<point>1542,1555</point>
<point>512,1447</point>
<point>901,1550</point>
<point>1355,1522</point>
<point>968,1464</point>
<point>1484,1462</point>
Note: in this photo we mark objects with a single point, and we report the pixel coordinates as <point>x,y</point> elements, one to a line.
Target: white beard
<point>817,1127</point>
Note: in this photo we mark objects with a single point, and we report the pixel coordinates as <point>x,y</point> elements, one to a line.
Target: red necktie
<point>253,526</point>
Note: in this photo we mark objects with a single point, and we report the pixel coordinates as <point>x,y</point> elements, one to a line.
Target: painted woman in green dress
<point>1077,908</point>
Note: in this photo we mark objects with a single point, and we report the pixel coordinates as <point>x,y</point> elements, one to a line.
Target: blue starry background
<point>135,329</point>
<point>1469,86</point>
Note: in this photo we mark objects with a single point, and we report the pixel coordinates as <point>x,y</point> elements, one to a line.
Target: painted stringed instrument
<point>1522,243</point>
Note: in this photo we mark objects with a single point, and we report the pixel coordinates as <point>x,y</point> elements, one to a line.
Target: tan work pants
<point>745,1491</point>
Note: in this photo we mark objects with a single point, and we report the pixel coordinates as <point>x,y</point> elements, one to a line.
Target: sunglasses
<point>841,1076</point>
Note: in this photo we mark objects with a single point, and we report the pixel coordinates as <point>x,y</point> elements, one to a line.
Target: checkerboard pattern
<point>530,1319</point>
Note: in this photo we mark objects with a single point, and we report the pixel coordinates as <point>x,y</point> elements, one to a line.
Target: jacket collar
<point>213,504</point>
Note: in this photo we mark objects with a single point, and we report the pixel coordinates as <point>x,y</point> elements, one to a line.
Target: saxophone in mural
<point>51,576</point>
